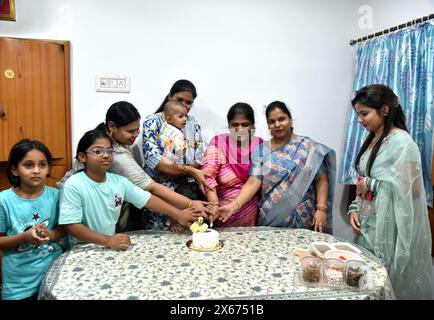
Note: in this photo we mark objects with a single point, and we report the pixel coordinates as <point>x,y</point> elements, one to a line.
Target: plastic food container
<point>342,255</point>
<point>319,248</point>
<point>300,252</point>
<point>312,268</point>
<point>334,272</point>
<point>355,272</point>
<point>346,246</point>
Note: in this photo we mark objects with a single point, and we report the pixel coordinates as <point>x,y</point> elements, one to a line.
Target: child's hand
<point>42,231</point>
<point>119,241</point>
<point>35,237</point>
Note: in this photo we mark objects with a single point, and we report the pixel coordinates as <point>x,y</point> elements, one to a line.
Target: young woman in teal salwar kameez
<point>393,220</point>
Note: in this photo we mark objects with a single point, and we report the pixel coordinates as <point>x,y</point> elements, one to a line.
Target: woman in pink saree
<point>227,160</point>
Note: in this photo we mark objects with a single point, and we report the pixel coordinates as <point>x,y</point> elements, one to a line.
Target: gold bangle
<point>183,170</point>
<point>189,203</point>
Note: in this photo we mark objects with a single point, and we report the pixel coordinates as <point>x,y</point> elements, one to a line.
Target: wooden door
<point>35,99</point>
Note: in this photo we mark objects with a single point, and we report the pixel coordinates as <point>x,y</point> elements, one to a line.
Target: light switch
<point>112,84</point>
<point>121,84</point>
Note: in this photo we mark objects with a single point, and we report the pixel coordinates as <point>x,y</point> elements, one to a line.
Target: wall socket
<point>112,83</point>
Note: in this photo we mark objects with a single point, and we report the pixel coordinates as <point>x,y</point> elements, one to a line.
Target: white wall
<point>254,51</point>
<point>385,14</point>
<point>390,13</point>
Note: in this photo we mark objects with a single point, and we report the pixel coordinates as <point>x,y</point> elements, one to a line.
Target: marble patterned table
<point>255,263</point>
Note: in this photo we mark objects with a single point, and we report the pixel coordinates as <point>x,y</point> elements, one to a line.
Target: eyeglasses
<point>185,102</point>
<point>99,152</point>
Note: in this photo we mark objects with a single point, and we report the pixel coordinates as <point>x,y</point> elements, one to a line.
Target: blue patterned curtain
<point>404,61</point>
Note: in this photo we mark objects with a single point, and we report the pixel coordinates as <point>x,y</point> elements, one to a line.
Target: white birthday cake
<point>203,238</point>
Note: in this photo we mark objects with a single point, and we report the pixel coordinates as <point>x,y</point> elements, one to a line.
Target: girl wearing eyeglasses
<point>91,199</point>
<point>122,124</point>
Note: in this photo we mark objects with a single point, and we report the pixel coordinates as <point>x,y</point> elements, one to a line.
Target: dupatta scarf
<point>238,157</point>
<point>398,230</point>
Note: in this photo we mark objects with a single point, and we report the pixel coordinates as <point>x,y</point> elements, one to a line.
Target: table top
<point>254,263</point>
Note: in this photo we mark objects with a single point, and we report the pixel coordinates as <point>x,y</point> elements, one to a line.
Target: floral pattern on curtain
<point>404,61</point>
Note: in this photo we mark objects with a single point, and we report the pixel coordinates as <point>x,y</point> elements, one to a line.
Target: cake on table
<point>203,237</point>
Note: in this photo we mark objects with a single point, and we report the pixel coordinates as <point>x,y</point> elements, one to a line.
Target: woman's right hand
<point>200,177</point>
<point>201,205</point>
<point>119,241</point>
<point>226,211</point>
<point>211,211</point>
<point>355,223</point>
<point>189,215</point>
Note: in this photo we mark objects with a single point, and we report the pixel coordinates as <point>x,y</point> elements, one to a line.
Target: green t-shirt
<point>24,267</point>
<point>98,205</point>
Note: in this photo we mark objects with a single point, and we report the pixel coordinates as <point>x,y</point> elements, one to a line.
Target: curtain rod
<point>399,27</point>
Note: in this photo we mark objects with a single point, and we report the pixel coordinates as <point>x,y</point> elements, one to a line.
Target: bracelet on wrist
<point>354,207</point>
<point>373,184</point>
<point>321,209</point>
<point>366,182</point>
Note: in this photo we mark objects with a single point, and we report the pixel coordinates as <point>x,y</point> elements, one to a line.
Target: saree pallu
<point>228,165</point>
<point>397,230</point>
<point>288,175</point>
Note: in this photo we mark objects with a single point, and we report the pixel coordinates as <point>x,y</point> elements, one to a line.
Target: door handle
<point>2,112</point>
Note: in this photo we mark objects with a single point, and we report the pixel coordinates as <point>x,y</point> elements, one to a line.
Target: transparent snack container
<point>312,269</point>
<point>343,255</point>
<point>346,247</point>
<point>319,248</point>
<point>334,272</point>
<point>355,273</point>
